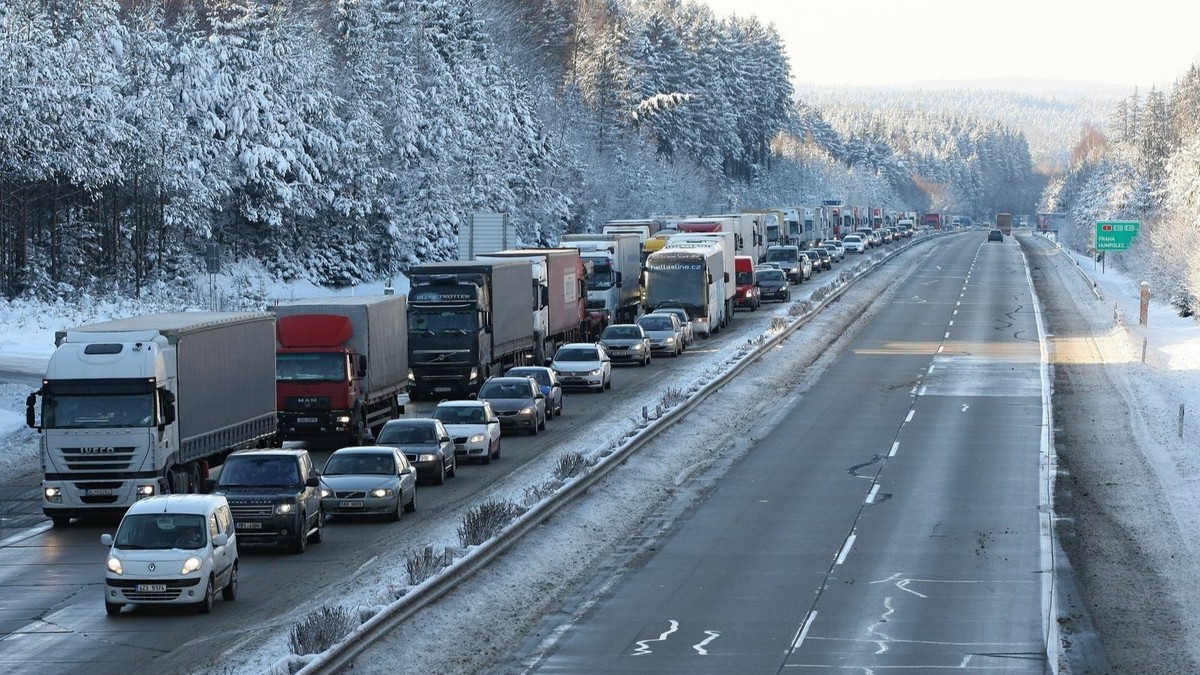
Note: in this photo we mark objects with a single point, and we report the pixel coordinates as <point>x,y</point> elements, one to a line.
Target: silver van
<point>172,549</point>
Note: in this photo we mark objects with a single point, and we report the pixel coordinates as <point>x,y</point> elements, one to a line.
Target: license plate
<point>351,505</point>
<point>307,420</point>
<point>99,492</point>
<point>443,388</point>
<point>249,526</point>
<point>151,588</point>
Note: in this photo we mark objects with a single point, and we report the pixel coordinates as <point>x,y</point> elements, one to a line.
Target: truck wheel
<point>205,605</point>
<point>300,541</point>
<point>112,608</point>
<point>229,593</point>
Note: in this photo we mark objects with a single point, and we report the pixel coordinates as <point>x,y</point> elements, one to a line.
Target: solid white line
<point>895,449</point>
<point>804,630</point>
<point>910,415</point>
<point>845,550</point>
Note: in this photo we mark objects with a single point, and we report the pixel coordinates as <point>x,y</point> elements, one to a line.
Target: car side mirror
<point>493,420</point>
<point>312,481</point>
<point>106,539</point>
<point>444,439</point>
<point>209,485</point>
<point>221,539</point>
<point>406,471</point>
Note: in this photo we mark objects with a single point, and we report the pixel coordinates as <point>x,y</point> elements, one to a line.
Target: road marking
<point>712,635</point>
<point>644,647</point>
<point>966,406</point>
<point>895,448</point>
<point>946,336</point>
<point>845,549</point>
<point>940,348</point>
<point>910,415</point>
<point>804,630</point>
<point>922,392</point>
<point>955,313</point>
<point>871,495</point>
<point>952,322</point>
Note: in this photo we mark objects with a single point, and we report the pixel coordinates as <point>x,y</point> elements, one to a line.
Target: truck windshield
<point>90,412</point>
<point>744,278</point>
<point>601,278</point>
<point>327,367</point>
<point>435,322</point>
<point>676,284</point>
<point>162,530</point>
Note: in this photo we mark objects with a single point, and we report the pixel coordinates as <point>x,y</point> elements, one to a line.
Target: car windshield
<point>620,333</point>
<point>259,471</point>
<point>538,374</point>
<point>656,323</point>
<point>503,390</point>
<point>577,354</point>
<point>770,275</point>
<point>162,530</point>
<point>360,463</point>
<point>406,434</point>
<point>854,239</point>
<point>457,414</point>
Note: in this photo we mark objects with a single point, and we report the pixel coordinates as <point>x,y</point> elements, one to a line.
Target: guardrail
<point>343,654</point>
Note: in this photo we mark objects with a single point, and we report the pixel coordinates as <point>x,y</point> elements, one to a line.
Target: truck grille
<point>97,459</point>
<point>432,357</point>
<point>303,403</point>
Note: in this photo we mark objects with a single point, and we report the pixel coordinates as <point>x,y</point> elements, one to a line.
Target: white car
<point>172,549</point>
<point>855,243</point>
<point>583,364</point>
<point>474,427</point>
<point>835,249</point>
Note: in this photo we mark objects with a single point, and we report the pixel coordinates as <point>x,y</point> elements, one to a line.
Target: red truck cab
<point>317,376</point>
<point>747,283</point>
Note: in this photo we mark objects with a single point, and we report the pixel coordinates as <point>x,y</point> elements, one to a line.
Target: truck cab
<point>747,283</point>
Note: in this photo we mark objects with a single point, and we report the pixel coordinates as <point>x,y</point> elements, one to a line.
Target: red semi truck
<point>341,366</point>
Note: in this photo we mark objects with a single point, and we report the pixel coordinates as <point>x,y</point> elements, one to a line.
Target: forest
<point>341,141</point>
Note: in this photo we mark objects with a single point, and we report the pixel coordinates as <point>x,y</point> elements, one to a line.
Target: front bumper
<point>357,504</point>
<point>155,590</point>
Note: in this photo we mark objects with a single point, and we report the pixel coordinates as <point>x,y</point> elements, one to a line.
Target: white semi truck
<point>612,287</point>
<point>142,406</point>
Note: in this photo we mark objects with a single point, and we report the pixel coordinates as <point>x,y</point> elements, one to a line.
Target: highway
<point>888,519</point>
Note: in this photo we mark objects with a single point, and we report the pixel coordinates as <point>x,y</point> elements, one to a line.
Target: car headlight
<point>527,410</point>
<point>477,438</point>
<point>326,492</point>
<point>192,564</point>
<point>114,565</point>
<point>669,341</point>
<point>427,458</point>
<point>284,508</point>
<point>596,372</point>
<point>638,347</point>
<point>379,493</point>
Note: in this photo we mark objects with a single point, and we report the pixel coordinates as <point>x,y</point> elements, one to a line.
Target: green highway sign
<point>1116,235</point>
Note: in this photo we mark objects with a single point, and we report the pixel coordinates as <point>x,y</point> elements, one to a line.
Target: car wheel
<point>440,478</point>
<point>543,425</point>
<point>453,467</point>
<point>229,593</point>
<point>394,514</point>
<point>608,383</point>
<point>112,608</point>
<point>495,454</point>
<point>319,535</point>
<point>300,541</point>
<point>411,506</point>
<point>487,458</point>
<point>206,603</point>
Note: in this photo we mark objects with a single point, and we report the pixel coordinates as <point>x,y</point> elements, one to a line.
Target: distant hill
<point>1051,114</point>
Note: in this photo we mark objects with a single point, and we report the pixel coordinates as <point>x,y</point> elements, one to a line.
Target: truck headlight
<point>145,491</point>
<point>284,508</point>
<point>343,419</point>
<point>379,493</point>
<point>53,494</point>
<point>474,374</point>
<point>192,564</point>
<point>114,565</point>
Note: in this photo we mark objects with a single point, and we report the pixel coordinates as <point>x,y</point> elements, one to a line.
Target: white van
<point>172,549</point>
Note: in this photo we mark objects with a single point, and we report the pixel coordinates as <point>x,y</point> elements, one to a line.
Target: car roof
<point>411,421</point>
<point>269,452</point>
<point>527,369</point>
<point>508,380</point>
<point>364,449</point>
<point>462,404</point>
<point>189,503</point>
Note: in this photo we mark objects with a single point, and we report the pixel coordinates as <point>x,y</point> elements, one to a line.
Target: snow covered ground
<point>511,596</point>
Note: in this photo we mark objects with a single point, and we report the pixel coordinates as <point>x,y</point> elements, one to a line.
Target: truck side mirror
<point>168,406</point>
<point>30,402</point>
<point>362,365</point>
<point>617,278</point>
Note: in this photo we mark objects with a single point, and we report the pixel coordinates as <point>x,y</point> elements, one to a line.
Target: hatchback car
<point>548,381</point>
<point>817,264</point>
<point>825,256</point>
<point>518,402</point>
<point>426,444</point>
<point>664,331</point>
<point>685,323</point>
<point>626,343</point>
<point>172,549</point>
<point>473,426</point>
<point>773,285</point>
<point>995,235</point>
<point>835,249</point>
<point>368,479</point>
<point>583,364</point>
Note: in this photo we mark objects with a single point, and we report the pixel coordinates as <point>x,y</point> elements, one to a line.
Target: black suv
<point>995,235</point>
<point>274,495</point>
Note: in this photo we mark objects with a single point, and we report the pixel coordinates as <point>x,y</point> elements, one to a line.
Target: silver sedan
<point>368,479</point>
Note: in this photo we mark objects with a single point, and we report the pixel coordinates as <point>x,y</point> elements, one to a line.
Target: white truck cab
<point>172,549</point>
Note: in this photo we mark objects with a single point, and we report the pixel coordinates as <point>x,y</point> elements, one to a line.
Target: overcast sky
<point>871,42</point>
